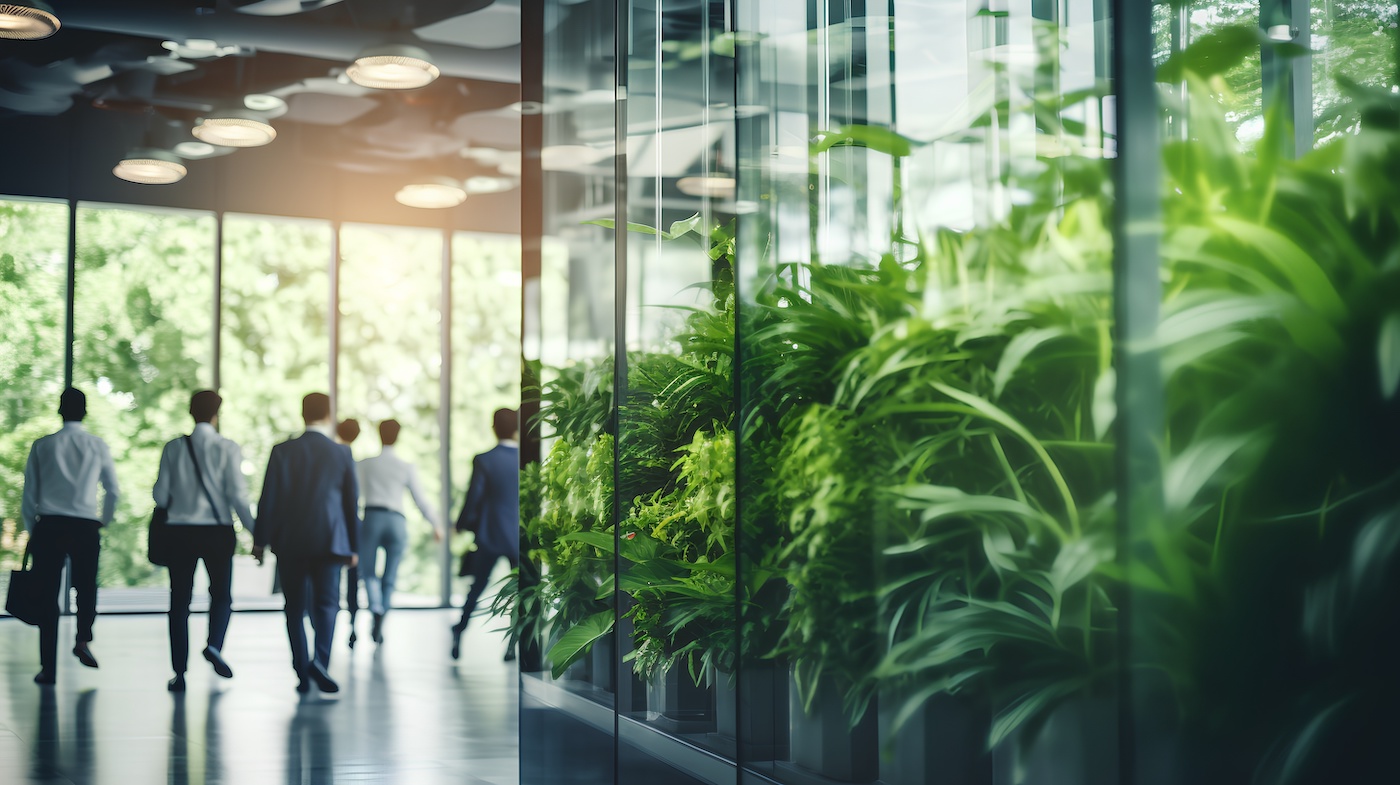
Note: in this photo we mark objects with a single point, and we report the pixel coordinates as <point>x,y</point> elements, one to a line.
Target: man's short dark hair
<point>315,407</point>
<point>204,405</point>
<point>505,422</point>
<point>348,430</point>
<point>72,405</point>
<point>389,432</point>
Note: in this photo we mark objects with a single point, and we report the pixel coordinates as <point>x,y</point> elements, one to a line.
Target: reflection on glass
<point>33,277</point>
<point>144,303</point>
<point>390,363</point>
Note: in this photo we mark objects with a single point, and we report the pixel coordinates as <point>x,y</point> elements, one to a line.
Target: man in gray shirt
<point>59,509</point>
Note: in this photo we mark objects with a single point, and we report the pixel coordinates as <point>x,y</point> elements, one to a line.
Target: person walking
<point>384,479</point>
<point>492,513</point>
<point>308,514</point>
<point>59,509</point>
<point>201,486</point>
<point>347,432</point>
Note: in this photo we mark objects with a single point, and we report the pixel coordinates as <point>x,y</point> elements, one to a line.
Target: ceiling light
<point>151,167</point>
<point>235,128</point>
<point>434,194</point>
<point>709,185</point>
<point>195,149</point>
<point>270,105</point>
<point>27,21</point>
<point>489,185</point>
<point>392,67</point>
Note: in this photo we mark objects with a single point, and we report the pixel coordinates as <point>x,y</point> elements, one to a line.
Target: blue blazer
<point>310,500</point>
<point>492,508</point>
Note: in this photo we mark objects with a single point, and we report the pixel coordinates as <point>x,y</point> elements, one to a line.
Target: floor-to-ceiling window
<point>33,288</point>
<point>143,342</point>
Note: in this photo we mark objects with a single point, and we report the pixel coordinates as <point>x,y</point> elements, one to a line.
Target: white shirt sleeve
<point>415,489</point>
<point>108,479</point>
<point>29,502</point>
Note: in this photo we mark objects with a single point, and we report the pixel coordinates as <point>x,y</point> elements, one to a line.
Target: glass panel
<point>275,342</point>
<point>389,366</point>
<point>144,316</point>
<point>1351,41</point>
<point>485,348</point>
<point>675,429</point>
<point>33,281</point>
<point>927,454</point>
<point>567,602</point>
<point>1281,367</point>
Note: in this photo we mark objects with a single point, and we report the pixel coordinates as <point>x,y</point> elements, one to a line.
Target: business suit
<point>492,513</point>
<point>308,515</point>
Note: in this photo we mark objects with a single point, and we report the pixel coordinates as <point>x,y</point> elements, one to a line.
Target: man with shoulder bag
<point>199,487</point>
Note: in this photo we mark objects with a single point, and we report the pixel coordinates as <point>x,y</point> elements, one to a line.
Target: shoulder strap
<point>199,475</point>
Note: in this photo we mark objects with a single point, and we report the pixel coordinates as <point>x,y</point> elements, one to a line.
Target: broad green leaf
<point>881,140</point>
<point>1388,354</point>
<point>1105,408</point>
<point>1211,54</point>
<point>1017,350</point>
<point>577,640</point>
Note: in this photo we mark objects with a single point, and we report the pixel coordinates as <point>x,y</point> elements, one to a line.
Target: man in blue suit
<point>492,513</point>
<point>308,513</point>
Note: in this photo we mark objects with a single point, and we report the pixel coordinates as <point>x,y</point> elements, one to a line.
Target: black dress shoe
<point>44,677</point>
<point>217,660</point>
<point>377,631</point>
<point>456,643</point>
<point>352,637</point>
<point>323,680</point>
<point>510,654</point>
<point>303,685</point>
<point>176,684</point>
<point>84,655</point>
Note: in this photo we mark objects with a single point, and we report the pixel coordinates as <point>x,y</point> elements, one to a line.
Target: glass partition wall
<point>1002,393</point>
<point>165,302</point>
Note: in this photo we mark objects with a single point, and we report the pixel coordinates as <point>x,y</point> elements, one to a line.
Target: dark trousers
<point>55,538</point>
<point>189,544</point>
<point>481,565</point>
<point>310,586</point>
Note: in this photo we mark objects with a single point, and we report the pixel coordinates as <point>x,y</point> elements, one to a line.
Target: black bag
<point>25,601</point>
<point>468,562</point>
<point>158,538</point>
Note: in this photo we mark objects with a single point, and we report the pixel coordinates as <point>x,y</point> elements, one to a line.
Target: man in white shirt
<point>384,478</point>
<point>200,500</point>
<point>59,509</point>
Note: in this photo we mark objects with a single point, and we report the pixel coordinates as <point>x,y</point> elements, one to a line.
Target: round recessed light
<point>195,149</point>
<point>393,67</point>
<point>27,21</point>
<point>267,104</point>
<point>710,186</point>
<point>489,185</point>
<point>433,194</point>
<point>235,128</point>
<point>150,167</point>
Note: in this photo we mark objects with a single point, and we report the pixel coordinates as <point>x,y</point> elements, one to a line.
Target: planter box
<point>825,745</point>
<point>603,665</point>
<point>760,714</point>
<point>945,742</point>
<point>1077,745</point>
<point>676,704</point>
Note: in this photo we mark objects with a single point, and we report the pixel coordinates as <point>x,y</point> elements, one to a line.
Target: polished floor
<point>406,713</point>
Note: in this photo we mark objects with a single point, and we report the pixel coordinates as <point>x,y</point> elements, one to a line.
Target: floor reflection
<point>406,713</point>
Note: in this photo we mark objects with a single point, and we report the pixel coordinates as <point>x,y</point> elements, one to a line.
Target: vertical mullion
<point>1136,298</point>
<point>216,370</point>
<point>69,323</point>
<point>333,324</point>
<point>445,412</point>
<point>622,44</point>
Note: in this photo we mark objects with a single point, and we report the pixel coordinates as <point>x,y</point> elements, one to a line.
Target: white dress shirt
<point>62,475</point>
<point>385,477</point>
<point>177,486</point>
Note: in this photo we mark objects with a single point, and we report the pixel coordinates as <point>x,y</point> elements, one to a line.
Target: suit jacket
<point>310,500</point>
<point>492,508</point>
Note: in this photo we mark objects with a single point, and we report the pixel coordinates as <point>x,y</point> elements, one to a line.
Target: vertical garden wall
<point>964,392</point>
